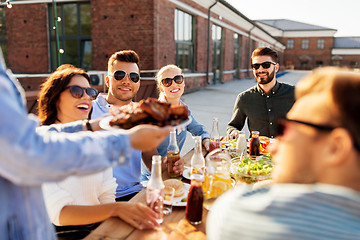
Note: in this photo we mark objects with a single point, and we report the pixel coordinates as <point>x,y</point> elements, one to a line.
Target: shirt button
<point>270,123</point>
<point>273,92</point>
<point>268,96</point>
<point>269,110</point>
<point>272,136</point>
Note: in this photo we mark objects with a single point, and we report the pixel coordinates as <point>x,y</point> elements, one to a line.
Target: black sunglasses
<point>265,65</point>
<point>179,79</point>
<point>77,91</point>
<point>282,127</point>
<point>120,74</point>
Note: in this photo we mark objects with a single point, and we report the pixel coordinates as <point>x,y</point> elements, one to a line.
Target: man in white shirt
<point>316,194</point>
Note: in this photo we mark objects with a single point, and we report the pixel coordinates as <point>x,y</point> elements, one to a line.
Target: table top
<point>175,226</point>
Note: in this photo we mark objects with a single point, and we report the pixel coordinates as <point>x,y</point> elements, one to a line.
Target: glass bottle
<point>195,199</point>
<point>194,205</point>
<point>254,144</point>
<point>214,135</point>
<point>241,145</point>
<point>173,154</point>
<point>197,161</point>
<point>155,189</point>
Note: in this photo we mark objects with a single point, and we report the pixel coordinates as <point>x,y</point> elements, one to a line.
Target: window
<point>72,35</point>
<point>305,44</point>
<point>237,54</point>
<point>237,51</point>
<point>290,44</point>
<point>320,43</point>
<point>3,33</point>
<point>184,40</point>
<point>354,64</point>
<point>216,32</point>
<point>319,63</point>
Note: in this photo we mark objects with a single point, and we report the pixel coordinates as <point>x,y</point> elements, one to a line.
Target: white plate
<point>186,173</point>
<point>105,124</point>
<point>177,200</point>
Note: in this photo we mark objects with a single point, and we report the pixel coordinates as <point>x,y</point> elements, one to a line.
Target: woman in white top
<point>66,96</point>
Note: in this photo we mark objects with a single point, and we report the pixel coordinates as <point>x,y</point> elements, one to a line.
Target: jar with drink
<point>155,189</point>
<point>254,148</point>
<point>217,176</point>
<point>173,154</point>
<point>195,199</point>
<point>241,145</point>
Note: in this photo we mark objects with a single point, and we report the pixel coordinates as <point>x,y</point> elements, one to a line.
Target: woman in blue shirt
<point>171,84</point>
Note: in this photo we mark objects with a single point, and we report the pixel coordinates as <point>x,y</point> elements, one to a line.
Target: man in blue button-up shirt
<point>29,158</point>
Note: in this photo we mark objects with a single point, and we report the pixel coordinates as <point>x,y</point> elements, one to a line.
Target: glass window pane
<point>181,25</point>
<point>70,19</point>
<point>85,19</point>
<point>218,36</point>
<point>2,23</point>
<point>86,55</point>
<point>176,22</point>
<point>71,50</point>
<point>186,27</point>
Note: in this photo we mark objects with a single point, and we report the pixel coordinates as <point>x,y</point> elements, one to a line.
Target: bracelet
<point>88,125</point>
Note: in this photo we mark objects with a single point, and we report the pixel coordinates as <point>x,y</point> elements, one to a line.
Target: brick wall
<point>27,38</point>
<point>119,25</point>
<point>312,54</point>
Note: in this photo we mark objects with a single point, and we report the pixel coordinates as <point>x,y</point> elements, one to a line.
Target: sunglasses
<point>282,126</point>
<point>178,79</point>
<point>120,75</point>
<point>265,65</point>
<point>77,91</point>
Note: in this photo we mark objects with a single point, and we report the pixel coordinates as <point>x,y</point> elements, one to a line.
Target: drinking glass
<point>168,200</point>
<point>217,176</point>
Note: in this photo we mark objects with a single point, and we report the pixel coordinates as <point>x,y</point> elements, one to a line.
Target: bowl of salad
<point>251,171</point>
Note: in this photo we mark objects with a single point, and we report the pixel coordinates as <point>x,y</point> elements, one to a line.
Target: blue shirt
<point>195,128</point>
<point>127,175</point>
<point>28,158</point>
<point>286,211</point>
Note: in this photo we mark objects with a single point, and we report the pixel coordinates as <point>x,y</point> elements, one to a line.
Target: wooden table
<point>175,226</point>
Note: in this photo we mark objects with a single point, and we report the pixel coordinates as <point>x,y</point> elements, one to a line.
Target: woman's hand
<point>136,214</point>
<point>206,143</point>
<point>179,165</point>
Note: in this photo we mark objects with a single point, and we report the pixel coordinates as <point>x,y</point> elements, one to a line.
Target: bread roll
<point>177,185</point>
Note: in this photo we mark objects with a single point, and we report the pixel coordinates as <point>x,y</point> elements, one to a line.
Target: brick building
<point>160,31</point>
<point>310,46</point>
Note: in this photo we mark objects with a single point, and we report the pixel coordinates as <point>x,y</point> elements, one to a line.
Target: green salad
<point>250,171</point>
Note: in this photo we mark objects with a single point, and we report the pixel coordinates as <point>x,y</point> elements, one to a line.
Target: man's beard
<point>269,78</point>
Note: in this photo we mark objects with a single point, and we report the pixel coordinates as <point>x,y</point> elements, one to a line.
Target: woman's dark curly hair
<point>51,90</point>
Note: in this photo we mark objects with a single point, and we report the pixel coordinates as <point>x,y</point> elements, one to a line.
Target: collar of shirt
<point>272,91</point>
<point>102,101</point>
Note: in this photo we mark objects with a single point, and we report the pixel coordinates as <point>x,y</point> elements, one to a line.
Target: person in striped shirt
<point>316,180</point>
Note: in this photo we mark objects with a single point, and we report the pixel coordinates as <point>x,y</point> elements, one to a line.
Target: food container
<point>249,171</point>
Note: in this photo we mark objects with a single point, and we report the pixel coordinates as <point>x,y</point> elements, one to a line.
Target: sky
<point>342,15</point>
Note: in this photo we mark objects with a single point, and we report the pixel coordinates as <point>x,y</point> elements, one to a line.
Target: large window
<point>237,54</point>
<point>3,33</point>
<point>320,44</point>
<point>217,37</point>
<point>290,44</point>
<point>71,42</point>
<point>305,44</point>
<point>184,32</point>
